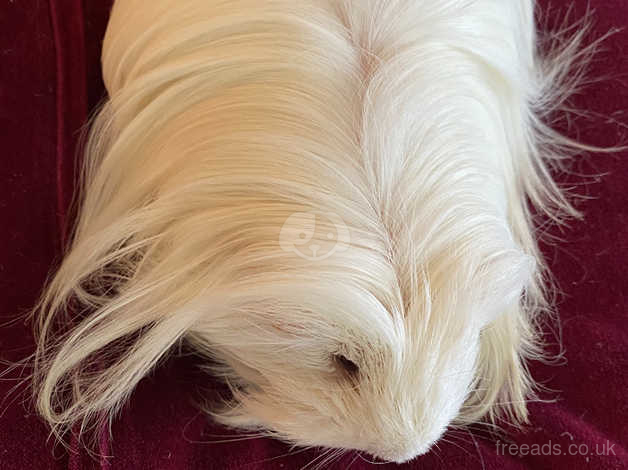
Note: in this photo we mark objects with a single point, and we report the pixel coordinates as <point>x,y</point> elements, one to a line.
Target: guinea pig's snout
<point>407,445</point>
<point>403,451</point>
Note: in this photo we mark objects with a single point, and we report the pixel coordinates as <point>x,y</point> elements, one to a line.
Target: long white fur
<point>419,123</point>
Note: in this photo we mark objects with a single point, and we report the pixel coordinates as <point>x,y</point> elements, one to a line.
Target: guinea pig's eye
<point>346,365</point>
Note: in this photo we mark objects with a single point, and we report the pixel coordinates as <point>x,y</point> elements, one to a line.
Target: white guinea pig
<point>328,198</point>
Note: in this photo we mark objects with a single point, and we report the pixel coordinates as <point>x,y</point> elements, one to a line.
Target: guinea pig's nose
<point>403,453</point>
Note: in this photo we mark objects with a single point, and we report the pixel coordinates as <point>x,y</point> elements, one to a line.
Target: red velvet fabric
<point>49,82</point>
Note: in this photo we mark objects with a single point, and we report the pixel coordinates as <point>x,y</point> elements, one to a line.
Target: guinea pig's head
<point>372,345</point>
<point>355,351</point>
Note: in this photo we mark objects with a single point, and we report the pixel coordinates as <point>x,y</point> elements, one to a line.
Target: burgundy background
<point>49,82</point>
